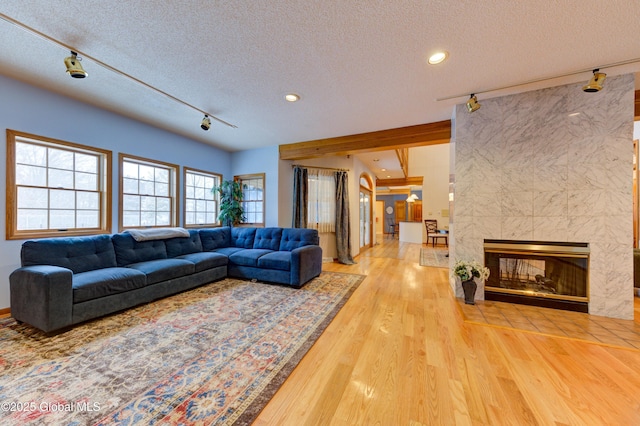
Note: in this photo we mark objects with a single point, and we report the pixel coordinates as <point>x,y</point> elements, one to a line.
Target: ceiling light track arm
<point>539,80</point>
<point>109,67</point>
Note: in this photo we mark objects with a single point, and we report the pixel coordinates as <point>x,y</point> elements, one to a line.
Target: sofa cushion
<point>205,260</point>
<point>80,254</point>
<point>215,238</point>
<point>130,251</point>
<point>104,282</point>
<point>228,251</point>
<point>267,238</point>
<point>243,237</point>
<point>277,260</point>
<point>248,257</point>
<point>164,269</point>
<point>292,238</point>
<point>184,245</point>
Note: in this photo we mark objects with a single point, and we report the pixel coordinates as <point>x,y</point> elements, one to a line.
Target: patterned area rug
<point>436,257</point>
<point>213,355</point>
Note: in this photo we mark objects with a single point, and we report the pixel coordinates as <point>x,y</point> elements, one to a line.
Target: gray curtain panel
<point>300,197</point>
<point>343,227</point>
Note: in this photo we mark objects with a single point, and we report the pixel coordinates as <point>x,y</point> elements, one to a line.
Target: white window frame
<point>321,208</point>
<point>252,198</point>
<point>102,187</point>
<point>171,194</point>
<point>200,197</point>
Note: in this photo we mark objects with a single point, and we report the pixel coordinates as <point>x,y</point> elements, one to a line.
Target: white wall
<point>432,162</point>
<point>29,109</point>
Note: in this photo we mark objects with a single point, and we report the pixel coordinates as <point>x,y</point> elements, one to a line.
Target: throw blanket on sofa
<point>157,233</point>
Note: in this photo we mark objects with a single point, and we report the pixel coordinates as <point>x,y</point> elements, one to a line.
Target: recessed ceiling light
<point>292,97</point>
<point>384,170</point>
<point>438,57</point>
<point>388,176</point>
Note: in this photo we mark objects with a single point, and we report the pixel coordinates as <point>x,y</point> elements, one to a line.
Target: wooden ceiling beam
<point>403,158</point>
<point>408,181</point>
<point>405,191</point>
<point>382,140</point>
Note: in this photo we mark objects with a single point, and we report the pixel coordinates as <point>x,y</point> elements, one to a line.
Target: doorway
<point>365,219</point>
<point>379,217</point>
<point>400,210</point>
<point>366,212</point>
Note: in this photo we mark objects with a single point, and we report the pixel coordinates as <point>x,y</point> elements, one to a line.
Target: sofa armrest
<point>42,296</point>
<point>306,263</point>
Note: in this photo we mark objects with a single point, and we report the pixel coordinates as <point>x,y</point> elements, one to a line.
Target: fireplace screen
<point>538,269</point>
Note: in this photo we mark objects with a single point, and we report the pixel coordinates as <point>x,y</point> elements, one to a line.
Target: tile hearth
<point>575,325</point>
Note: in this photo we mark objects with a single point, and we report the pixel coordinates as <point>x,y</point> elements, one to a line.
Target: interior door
<point>401,215</point>
<point>379,217</point>
<point>417,211</point>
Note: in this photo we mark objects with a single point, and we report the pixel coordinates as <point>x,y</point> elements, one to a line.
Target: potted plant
<point>230,196</point>
<point>467,272</point>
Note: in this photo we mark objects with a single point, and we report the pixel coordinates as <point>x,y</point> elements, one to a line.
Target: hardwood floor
<point>400,353</point>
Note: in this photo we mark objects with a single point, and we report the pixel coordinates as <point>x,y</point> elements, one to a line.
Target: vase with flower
<point>468,271</point>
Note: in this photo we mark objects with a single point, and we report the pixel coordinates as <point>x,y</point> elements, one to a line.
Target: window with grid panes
<point>56,187</point>
<point>200,202</point>
<point>148,193</point>
<point>253,198</point>
<point>321,211</point>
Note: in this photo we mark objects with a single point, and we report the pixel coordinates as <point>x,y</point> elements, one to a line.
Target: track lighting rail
<point>110,68</point>
<point>538,80</point>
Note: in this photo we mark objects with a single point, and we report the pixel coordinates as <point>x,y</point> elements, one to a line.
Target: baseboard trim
<point>5,312</point>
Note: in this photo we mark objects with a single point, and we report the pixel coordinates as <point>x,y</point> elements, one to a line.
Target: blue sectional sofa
<point>65,281</point>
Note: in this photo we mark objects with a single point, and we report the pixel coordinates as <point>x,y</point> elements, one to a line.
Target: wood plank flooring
<point>400,353</point>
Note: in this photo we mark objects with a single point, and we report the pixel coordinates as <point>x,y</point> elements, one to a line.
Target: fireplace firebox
<point>539,273</point>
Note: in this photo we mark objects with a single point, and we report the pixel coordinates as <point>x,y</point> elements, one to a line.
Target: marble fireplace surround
<point>550,165</point>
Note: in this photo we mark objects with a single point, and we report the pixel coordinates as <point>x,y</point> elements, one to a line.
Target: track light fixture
<point>74,68</point>
<point>472,103</point>
<point>595,84</point>
<point>598,78</point>
<point>206,123</point>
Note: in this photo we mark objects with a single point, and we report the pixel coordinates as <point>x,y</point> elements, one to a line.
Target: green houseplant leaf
<point>230,196</point>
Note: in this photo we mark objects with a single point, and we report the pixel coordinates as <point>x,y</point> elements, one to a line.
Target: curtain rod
<point>321,168</point>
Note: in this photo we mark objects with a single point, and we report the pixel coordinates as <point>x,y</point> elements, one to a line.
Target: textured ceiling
<point>359,66</point>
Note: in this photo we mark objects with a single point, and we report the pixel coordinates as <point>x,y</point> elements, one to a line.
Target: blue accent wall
<point>261,160</point>
<point>29,109</point>
<point>389,201</point>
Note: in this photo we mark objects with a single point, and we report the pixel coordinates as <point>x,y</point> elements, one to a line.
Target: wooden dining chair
<point>432,230</point>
